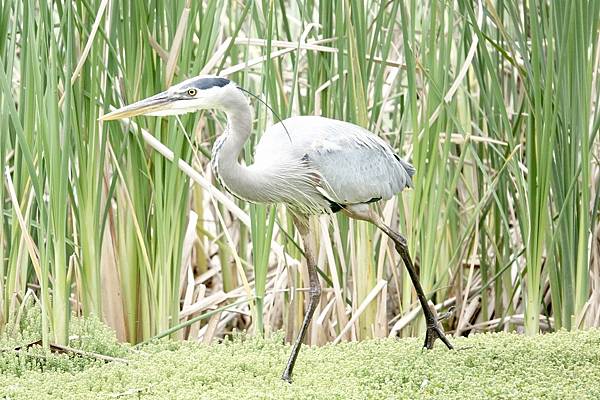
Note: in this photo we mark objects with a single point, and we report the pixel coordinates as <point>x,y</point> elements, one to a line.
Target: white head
<point>198,93</point>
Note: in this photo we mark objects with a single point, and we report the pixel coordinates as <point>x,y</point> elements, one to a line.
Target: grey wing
<point>358,167</point>
<point>355,165</point>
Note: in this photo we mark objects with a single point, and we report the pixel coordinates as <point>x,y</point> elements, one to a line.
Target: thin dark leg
<point>314,296</point>
<point>434,330</point>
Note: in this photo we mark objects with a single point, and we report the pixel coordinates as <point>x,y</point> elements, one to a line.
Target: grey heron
<point>312,164</point>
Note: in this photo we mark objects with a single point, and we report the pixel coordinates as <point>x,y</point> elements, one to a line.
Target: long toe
<point>434,331</point>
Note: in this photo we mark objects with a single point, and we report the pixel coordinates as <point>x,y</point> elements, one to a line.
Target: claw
<point>434,328</point>
<point>435,331</point>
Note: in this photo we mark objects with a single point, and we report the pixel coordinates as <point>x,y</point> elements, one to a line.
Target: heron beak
<point>155,103</point>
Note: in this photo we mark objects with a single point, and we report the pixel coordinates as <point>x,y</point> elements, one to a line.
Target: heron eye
<point>192,92</point>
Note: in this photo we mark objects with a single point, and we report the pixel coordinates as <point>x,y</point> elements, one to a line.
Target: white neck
<point>243,181</point>
<point>276,178</point>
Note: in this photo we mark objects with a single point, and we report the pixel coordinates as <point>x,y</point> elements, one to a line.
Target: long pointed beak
<point>155,103</point>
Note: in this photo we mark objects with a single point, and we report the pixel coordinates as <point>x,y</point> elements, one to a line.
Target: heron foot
<point>286,376</point>
<point>435,331</point>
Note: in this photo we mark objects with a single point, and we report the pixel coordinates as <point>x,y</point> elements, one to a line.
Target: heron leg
<point>434,329</point>
<point>314,294</point>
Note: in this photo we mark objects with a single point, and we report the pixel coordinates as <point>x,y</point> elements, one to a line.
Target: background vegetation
<point>495,103</point>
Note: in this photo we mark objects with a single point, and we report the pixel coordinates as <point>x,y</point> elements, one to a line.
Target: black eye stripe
<point>204,84</point>
<point>192,88</point>
<point>207,83</point>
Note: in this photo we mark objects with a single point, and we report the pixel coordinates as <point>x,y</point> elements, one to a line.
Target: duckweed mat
<point>561,365</point>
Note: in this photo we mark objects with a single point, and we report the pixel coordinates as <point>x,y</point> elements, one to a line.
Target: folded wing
<point>355,166</point>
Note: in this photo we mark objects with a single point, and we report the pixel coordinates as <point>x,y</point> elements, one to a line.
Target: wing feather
<point>355,165</point>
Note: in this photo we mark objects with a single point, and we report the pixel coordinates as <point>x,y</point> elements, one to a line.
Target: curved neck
<point>239,128</point>
<point>237,178</point>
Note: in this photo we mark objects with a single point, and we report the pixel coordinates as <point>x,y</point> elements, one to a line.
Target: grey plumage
<point>353,165</point>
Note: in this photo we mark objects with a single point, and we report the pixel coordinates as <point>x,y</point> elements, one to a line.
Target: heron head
<point>198,93</point>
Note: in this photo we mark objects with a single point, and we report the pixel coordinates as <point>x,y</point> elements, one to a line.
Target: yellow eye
<point>192,92</point>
